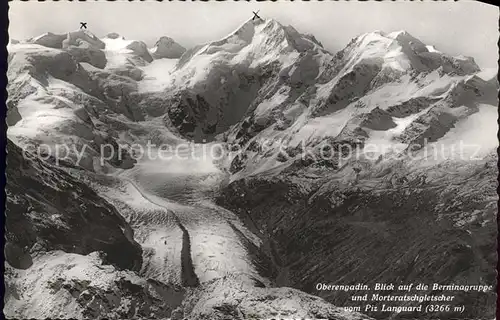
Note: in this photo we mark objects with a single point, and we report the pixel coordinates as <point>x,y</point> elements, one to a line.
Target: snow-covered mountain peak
<point>382,44</point>
<point>73,38</point>
<point>399,33</point>
<point>401,36</point>
<point>257,35</point>
<point>86,32</point>
<point>403,52</point>
<point>254,44</point>
<point>262,37</point>
<point>166,47</point>
<point>114,35</point>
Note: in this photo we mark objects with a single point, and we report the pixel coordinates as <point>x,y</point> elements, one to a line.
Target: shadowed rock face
<point>129,71</point>
<point>50,40</point>
<point>167,48</point>
<point>430,127</point>
<point>376,119</point>
<point>74,38</point>
<point>82,45</point>
<point>113,35</point>
<point>141,50</point>
<point>356,82</point>
<point>13,116</point>
<point>188,113</point>
<point>57,212</point>
<point>85,53</point>
<point>410,107</point>
<point>390,227</point>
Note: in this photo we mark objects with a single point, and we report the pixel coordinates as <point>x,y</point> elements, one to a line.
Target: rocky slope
<point>166,47</point>
<point>218,83</point>
<point>390,224</point>
<point>259,303</point>
<point>294,206</point>
<point>69,253</point>
<point>373,79</point>
<point>391,214</point>
<point>58,212</point>
<point>390,91</point>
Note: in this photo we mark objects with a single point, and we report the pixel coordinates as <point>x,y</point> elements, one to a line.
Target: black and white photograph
<point>248,160</point>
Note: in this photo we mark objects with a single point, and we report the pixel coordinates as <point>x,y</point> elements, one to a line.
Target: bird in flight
<point>255,15</point>
<point>83,25</point>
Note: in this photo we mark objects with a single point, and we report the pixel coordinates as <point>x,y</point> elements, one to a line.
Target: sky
<point>458,28</point>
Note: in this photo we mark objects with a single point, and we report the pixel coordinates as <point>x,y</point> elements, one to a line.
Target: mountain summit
<point>401,51</point>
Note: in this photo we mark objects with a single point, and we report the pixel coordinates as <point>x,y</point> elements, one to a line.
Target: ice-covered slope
<point>77,98</point>
<point>55,101</point>
<point>82,287</point>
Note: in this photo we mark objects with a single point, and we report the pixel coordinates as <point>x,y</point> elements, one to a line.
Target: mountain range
<point>326,172</point>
